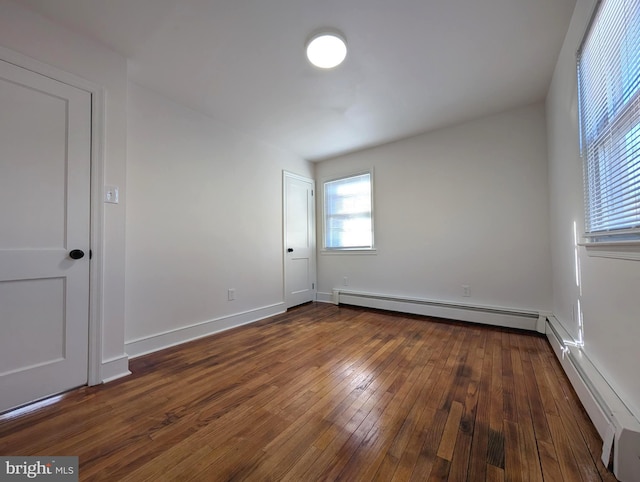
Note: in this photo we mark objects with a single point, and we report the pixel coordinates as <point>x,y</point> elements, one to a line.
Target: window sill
<point>341,252</point>
<point>614,249</point>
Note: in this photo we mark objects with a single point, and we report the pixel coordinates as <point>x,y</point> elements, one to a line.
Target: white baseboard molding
<point>115,368</point>
<point>614,422</point>
<point>488,315</point>
<point>322,297</point>
<point>150,344</point>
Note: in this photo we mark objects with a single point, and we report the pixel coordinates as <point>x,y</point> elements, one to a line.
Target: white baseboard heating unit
<point>488,315</point>
<point>619,429</point>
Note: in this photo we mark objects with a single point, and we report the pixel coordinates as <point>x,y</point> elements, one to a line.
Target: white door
<point>299,240</point>
<point>45,143</point>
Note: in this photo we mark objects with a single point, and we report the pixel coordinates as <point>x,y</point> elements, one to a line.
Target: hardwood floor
<point>327,393</point>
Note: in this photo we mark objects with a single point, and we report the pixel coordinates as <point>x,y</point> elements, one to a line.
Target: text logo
<point>51,469</point>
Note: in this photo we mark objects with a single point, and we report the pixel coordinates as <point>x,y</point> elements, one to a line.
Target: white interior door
<point>299,240</point>
<point>45,144</point>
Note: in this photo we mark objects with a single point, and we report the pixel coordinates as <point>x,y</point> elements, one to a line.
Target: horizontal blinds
<point>609,96</point>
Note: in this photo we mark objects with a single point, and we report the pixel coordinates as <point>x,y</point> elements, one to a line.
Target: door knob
<point>290,250</point>
<point>76,254</point>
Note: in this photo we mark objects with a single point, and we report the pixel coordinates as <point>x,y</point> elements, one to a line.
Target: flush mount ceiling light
<point>326,49</point>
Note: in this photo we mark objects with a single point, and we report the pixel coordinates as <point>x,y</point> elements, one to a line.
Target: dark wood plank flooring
<point>327,393</point>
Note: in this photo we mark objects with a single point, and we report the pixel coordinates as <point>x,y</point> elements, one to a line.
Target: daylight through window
<point>347,213</point>
<point>609,102</point>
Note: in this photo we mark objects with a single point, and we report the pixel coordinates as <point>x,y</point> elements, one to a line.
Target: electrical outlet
<point>345,281</point>
<point>466,291</point>
<point>111,194</point>
<point>231,294</point>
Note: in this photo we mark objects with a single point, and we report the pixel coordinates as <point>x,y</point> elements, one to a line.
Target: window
<point>348,210</point>
<point>609,103</point>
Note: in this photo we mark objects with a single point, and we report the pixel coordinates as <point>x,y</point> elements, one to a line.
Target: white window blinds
<point>347,213</point>
<point>609,103</point>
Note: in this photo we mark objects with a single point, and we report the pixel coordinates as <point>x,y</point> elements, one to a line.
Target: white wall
<point>34,36</point>
<point>465,205</point>
<point>204,214</point>
<point>610,287</point>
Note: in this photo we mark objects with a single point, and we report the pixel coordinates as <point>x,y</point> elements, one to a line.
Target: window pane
<point>347,213</point>
<point>609,96</point>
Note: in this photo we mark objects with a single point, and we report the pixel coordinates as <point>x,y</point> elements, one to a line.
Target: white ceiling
<point>412,66</point>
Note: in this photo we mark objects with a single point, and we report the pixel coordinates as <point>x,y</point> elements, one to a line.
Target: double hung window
<point>609,104</point>
<point>348,219</point>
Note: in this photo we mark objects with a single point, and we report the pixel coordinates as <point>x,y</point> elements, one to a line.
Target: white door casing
<point>299,239</point>
<point>45,161</point>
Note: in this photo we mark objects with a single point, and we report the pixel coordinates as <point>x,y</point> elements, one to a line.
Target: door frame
<point>285,175</point>
<point>96,222</point>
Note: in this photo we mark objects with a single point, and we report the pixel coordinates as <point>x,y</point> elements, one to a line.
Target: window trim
<point>618,244</point>
<point>346,251</point>
<point>629,250</point>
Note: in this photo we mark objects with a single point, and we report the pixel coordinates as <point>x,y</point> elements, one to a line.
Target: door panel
<point>29,197</point>
<point>299,275</point>
<point>42,316</point>
<point>45,146</point>
<point>299,233</point>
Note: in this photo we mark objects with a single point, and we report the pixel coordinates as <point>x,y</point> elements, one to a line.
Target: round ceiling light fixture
<point>326,49</point>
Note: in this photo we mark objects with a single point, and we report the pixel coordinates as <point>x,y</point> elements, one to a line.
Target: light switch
<point>111,194</point>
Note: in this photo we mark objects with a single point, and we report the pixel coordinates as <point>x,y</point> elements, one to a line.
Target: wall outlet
<point>466,291</point>
<point>345,281</point>
<point>231,294</point>
<point>111,194</point>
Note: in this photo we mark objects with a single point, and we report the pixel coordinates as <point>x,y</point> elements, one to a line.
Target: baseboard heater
<point>489,315</point>
<point>619,429</point>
